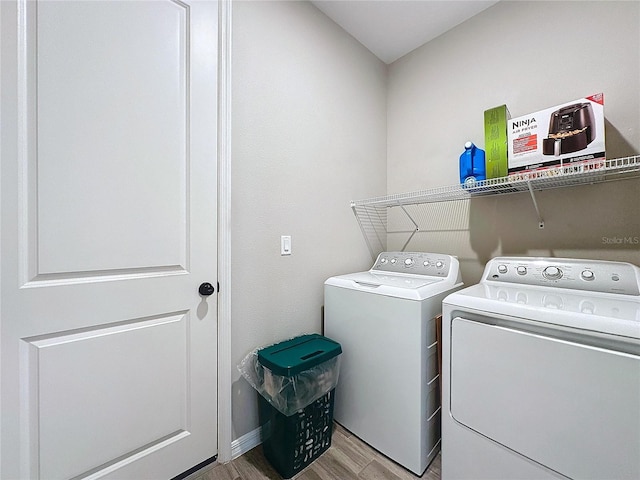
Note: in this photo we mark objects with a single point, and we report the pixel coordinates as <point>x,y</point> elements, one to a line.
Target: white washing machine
<point>388,393</point>
<point>541,372</point>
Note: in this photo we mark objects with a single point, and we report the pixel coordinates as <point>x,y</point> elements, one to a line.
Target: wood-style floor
<point>348,458</point>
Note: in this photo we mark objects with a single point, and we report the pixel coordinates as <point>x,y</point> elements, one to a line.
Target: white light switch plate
<point>285,245</point>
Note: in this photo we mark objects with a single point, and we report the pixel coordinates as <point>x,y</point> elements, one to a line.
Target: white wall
<point>309,136</point>
<point>531,56</point>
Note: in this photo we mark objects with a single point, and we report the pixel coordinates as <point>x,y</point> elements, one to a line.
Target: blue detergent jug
<point>472,165</point>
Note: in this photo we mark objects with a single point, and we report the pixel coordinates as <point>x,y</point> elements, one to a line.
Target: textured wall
<point>309,136</point>
<point>531,56</point>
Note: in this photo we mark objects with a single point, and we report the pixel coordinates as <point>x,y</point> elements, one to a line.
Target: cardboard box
<point>567,135</point>
<point>495,141</point>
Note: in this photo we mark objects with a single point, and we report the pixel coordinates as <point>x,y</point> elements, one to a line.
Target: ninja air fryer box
<point>561,139</point>
<point>495,141</point>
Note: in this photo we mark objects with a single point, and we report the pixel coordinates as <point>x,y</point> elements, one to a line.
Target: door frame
<point>224,231</point>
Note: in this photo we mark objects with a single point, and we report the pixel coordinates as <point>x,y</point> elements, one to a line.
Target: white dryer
<point>384,318</point>
<point>541,372</point>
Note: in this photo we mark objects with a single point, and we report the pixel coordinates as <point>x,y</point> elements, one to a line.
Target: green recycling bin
<point>296,405</point>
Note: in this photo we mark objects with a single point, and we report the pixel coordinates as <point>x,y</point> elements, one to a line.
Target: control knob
<point>521,270</point>
<point>502,269</point>
<point>439,264</point>
<point>408,262</point>
<point>552,273</point>
<point>587,275</point>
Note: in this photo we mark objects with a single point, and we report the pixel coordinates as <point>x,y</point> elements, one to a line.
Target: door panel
<point>108,227</point>
<point>98,375</point>
<point>564,405</point>
<point>112,129</point>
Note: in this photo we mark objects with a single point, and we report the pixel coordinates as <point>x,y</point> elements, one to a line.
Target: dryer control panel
<point>416,263</point>
<point>591,275</point>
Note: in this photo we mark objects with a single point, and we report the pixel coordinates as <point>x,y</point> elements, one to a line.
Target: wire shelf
<point>372,213</point>
<point>569,175</point>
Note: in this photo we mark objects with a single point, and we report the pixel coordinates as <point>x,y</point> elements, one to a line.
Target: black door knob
<point>206,289</point>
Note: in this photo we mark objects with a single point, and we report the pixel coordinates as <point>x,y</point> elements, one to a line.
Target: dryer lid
<point>613,314</point>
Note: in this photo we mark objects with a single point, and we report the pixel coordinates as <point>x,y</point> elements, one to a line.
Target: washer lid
<point>414,287</point>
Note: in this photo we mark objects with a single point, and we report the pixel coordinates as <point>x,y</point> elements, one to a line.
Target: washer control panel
<point>416,263</point>
<point>592,275</point>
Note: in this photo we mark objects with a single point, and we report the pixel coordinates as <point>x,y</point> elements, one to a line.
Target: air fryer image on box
<point>571,129</point>
<point>565,138</point>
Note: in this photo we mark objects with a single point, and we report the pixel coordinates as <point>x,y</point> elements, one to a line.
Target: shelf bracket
<point>414,231</point>
<point>369,221</point>
<point>535,205</point>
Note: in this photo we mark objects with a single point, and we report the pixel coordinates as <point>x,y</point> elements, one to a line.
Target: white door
<point>108,199</point>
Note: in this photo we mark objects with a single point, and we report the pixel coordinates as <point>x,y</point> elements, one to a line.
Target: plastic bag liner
<point>288,394</point>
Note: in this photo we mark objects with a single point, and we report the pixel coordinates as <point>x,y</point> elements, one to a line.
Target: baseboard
<point>246,442</point>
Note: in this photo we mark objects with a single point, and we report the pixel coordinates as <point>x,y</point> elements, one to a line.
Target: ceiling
<point>392,28</point>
